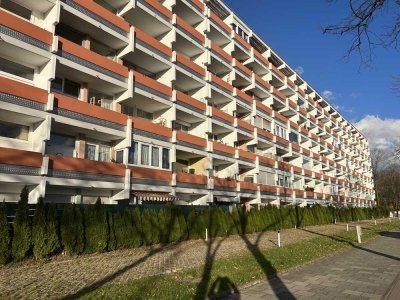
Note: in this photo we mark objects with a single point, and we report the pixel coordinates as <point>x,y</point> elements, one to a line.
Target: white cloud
<point>299,70</point>
<point>381,133</point>
<point>329,95</point>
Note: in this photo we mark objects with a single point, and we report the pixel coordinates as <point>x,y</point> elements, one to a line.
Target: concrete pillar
<point>81,146</point>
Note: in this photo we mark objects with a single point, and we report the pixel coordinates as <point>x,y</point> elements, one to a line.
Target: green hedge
<point>97,229</point>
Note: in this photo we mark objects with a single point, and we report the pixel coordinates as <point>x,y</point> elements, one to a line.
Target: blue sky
<point>293,29</point>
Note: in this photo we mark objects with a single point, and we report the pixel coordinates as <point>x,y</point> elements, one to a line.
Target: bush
<point>112,242</point>
<point>146,227</point>
<point>155,227</point>
<point>53,241</point>
<point>123,228</point>
<point>5,237</point>
<point>137,228</point>
<point>96,228</point>
<point>72,230</point>
<point>39,231</point>
<point>22,235</point>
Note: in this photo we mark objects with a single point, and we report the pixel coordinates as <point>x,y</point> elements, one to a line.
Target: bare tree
<point>359,25</point>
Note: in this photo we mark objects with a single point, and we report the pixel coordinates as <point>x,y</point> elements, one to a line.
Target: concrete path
<point>368,271</point>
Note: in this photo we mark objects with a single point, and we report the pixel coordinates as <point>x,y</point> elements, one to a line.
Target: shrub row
<point>94,229</point>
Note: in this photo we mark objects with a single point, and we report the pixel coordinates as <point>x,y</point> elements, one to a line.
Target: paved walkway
<point>370,271</point>
<point>70,276</point>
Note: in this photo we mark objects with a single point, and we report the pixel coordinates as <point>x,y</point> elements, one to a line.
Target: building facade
<point>146,100</point>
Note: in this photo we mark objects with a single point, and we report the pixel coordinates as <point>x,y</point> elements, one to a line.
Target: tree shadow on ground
<point>356,246</point>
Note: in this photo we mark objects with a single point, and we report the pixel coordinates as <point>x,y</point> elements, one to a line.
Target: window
<point>251,148</point>
<point>90,151</point>
<point>280,131</point>
<point>61,145</point>
<point>306,163</point>
<point>283,181</point>
<point>119,156</point>
<point>66,86</point>
<point>249,179</point>
<point>133,154</point>
<point>144,157</point>
<point>240,31</point>
<point>181,127</point>
<point>127,110</point>
<point>165,158</point>
<point>16,69</point>
<point>266,125</point>
<point>14,131</point>
<point>104,153</point>
<point>70,34</point>
<point>155,153</point>
<point>293,137</point>
<point>144,114</point>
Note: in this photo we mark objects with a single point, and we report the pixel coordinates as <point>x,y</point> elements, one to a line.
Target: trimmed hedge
<point>99,229</point>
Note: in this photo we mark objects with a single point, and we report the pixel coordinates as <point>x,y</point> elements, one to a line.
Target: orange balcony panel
<point>189,29</point>
<point>196,104</point>
<point>148,126</point>
<point>148,173</point>
<point>9,156</point>
<point>191,139</point>
<point>247,155</point>
<point>304,130</point>
<point>261,58</point>
<point>85,166</point>
<point>294,125</point>
<point>295,147</point>
<point>281,118</point>
<point>265,134</point>
<point>160,8</point>
<point>284,166</point>
<point>152,42</point>
<point>243,96</point>
<point>279,94</point>
<point>190,64</point>
<point>301,92</point>
<point>199,5</point>
<point>292,104</point>
<point>246,126</point>
<point>286,191</point>
<point>15,88</point>
<point>221,83</point>
<point>291,83</point>
<point>297,169</point>
<point>320,195</point>
<point>248,186</point>
<point>75,105</point>
<point>307,172</point>
<point>262,82</point>
<point>191,178</point>
<point>90,56</point>
<point>220,23</point>
<point>25,27</point>
<point>263,108</point>
<point>267,161</point>
<point>268,189</point>
<point>299,193</point>
<point>309,194</point>
<point>221,115</point>
<point>221,53</point>
<point>224,183</point>
<point>104,13</point>
<point>314,137</point>
<point>303,111</point>
<point>241,67</point>
<point>306,151</point>
<point>152,84</point>
<point>241,41</point>
<point>278,72</point>
<point>218,147</point>
<point>312,118</point>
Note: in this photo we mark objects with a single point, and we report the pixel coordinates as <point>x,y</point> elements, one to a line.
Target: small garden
<point>95,228</point>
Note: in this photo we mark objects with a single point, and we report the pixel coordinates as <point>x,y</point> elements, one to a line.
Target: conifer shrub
<point>137,228</point>
<point>182,226</point>
<point>155,227</point>
<point>192,220</point>
<point>112,241</point>
<point>22,234</point>
<point>146,227</point>
<point>53,240</point>
<point>5,237</point>
<point>96,227</point>
<point>123,228</point>
<point>39,231</point>
<point>71,230</point>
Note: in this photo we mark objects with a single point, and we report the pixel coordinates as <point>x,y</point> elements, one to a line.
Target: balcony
<point>248,187</point>
<point>190,103</point>
<point>71,169</point>
<point>23,41</point>
<point>189,75</point>
<point>73,108</point>
<point>220,32</point>
<point>260,87</point>
<point>245,157</point>
<point>242,48</point>
<point>244,99</point>
<point>191,141</point>
<point>150,130</point>
<point>96,21</point>
<point>186,180</point>
<point>148,178</point>
<point>223,150</point>
<point>188,40</point>
<point>191,10</point>
<point>243,75</point>
<point>221,57</point>
<point>18,162</point>
<point>266,190</point>
<point>222,123</point>
<point>259,63</point>
<point>265,139</point>
<point>224,185</point>
<point>87,66</point>
<point>264,110</point>
<point>281,142</point>
<point>245,129</point>
<point>266,162</point>
<point>221,85</point>
<point>18,93</point>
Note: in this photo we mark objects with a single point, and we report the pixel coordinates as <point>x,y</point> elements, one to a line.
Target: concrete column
<point>85,92</point>
<point>81,146</point>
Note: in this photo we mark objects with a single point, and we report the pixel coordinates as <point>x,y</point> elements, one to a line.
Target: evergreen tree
<point>155,227</point>
<point>5,237</point>
<point>112,242</point>
<point>39,231</point>
<point>72,231</point>
<point>96,228</point>
<point>137,228</point>
<point>53,241</point>
<point>22,235</point>
<point>183,227</point>
<point>191,224</point>
<point>146,227</point>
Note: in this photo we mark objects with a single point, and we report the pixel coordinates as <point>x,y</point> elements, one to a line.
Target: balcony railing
<point>222,117</point>
<point>101,15</point>
<point>244,126</point>
<point>189,140</point>
<point>265,135</point>
<point>266,161</point>
<point>221,24</point>
<point>191,179</point>
<point>151,175</point>
<point>92,60</point>
<point>263,108</point>
<point>268,189</point>
<point>19,162</point>
<point>190,103</point>
<point>221,84</point>
<point>152,86</point>
<point>158,8</point>
<point>243,97</point>
<point>244,44</point>
<point>148,129</point>
<point>189,65</point>
<point>190,31</point>
<point>247,156</point>
<point>221,53</point>
<point>153,44</point>
<point>22,94</point>
<point>248,186</point>
<point>24,31</point>
<point>220,183</point>
<point>223,150</point>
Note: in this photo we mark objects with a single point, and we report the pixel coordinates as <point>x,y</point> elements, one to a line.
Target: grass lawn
<point>219,275</point>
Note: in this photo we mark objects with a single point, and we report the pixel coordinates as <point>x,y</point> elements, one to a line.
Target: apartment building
<point>157,101</point>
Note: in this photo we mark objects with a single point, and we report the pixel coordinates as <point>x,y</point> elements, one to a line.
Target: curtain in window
<point>90,152</point>
<point>165,158</point>
<point>155,153</point>
<point>104,153</point>
<point>145,155</point>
